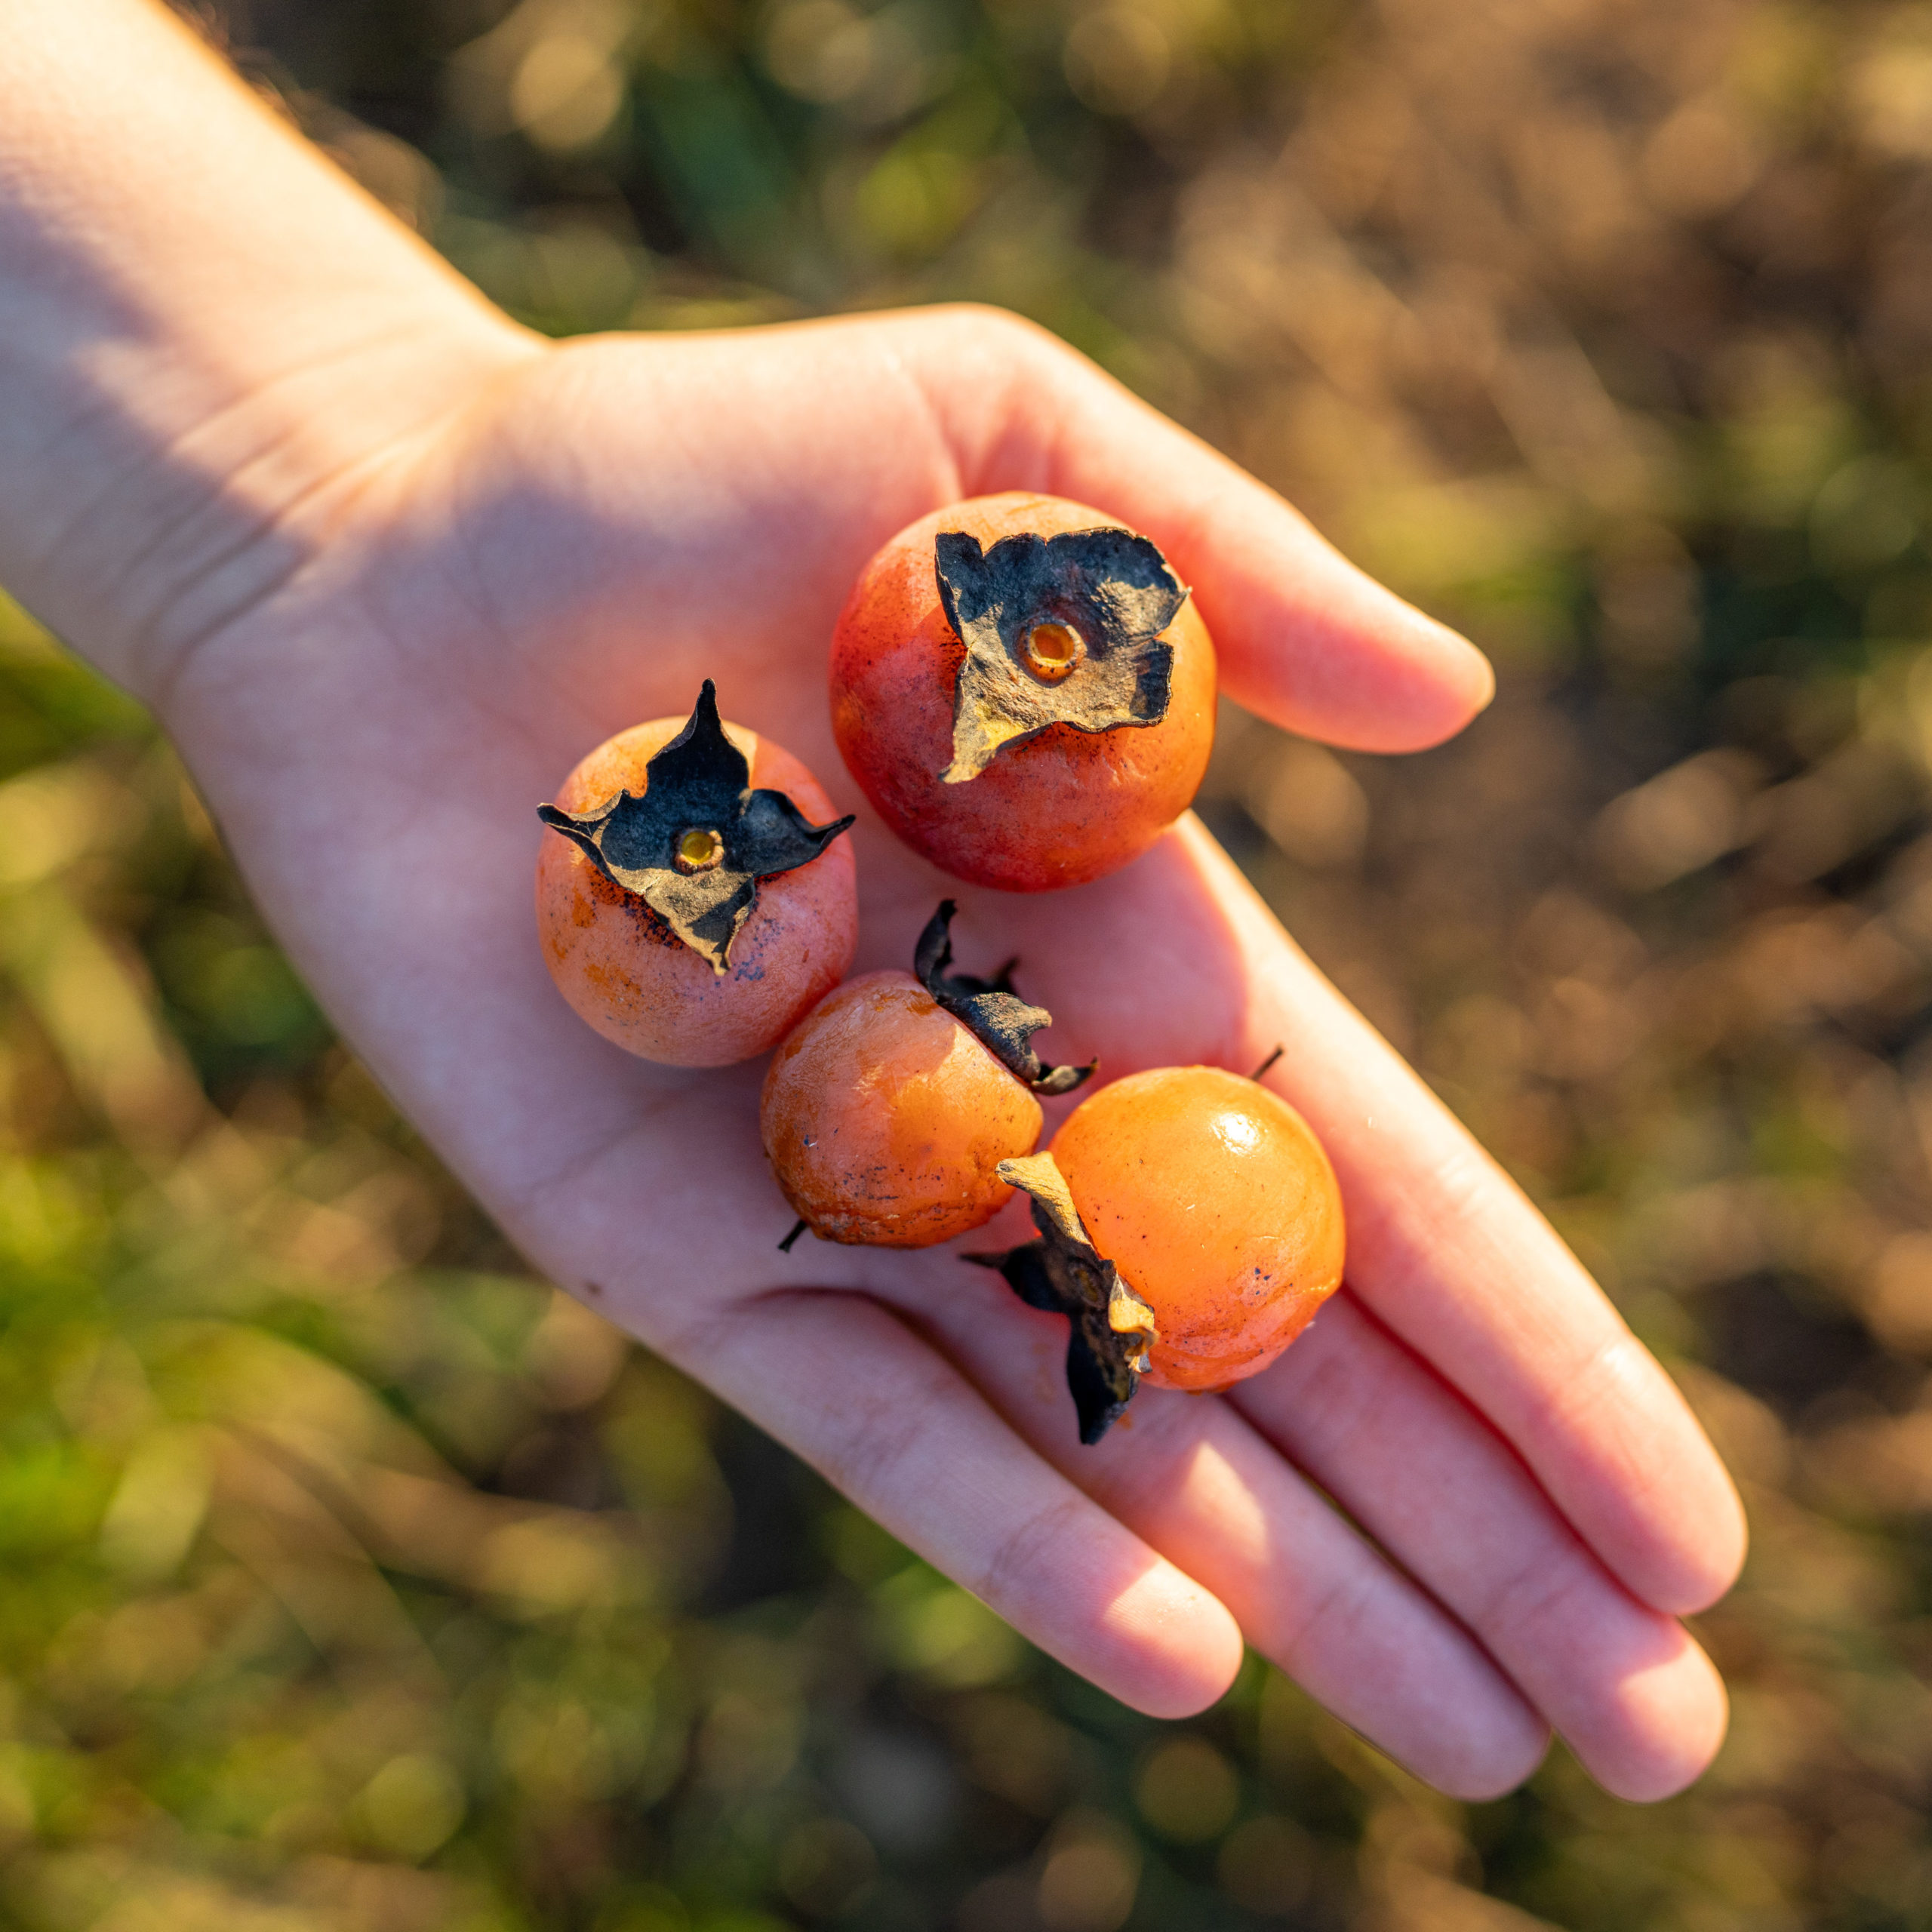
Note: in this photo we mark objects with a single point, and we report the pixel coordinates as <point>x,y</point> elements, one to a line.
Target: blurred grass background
<point>353,1580</point>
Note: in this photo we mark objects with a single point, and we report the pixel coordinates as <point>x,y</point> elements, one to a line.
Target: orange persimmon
<point>657,920</point>
<point>1215,1201</point>
<point>1024,690</point>
<point>1191,1227</point>
<point>888,1109</point>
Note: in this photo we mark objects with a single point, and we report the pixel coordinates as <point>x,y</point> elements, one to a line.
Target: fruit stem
<point>1053,651</point>
<point>785,1246</point>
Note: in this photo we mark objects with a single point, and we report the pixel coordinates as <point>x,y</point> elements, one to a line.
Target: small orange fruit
<point>1024,690</point>
<point>888,1111</point>
<point>1191,1225</point>
<point>691,911</point>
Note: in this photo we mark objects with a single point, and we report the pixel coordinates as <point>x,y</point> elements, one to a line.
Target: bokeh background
<point>351,1579</point>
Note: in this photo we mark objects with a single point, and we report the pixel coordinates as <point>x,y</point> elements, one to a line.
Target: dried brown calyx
<point>1001,1021</point>
<point>1111,1328</point>
<point>1058,630</point>
<point>694,844</point>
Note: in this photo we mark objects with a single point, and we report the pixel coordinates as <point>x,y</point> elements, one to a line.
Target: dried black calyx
<point>1002,1021</point>
<point>1111,1328</point>
<point>694,844</point>
<point>1058,630</point>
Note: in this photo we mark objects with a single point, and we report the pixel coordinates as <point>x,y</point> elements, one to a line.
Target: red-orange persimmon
<point>1043,731</point>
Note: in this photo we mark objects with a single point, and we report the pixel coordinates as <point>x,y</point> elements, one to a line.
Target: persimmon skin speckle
<point>884,1118</point>
<point>1055,810</point>
<point>625,972</point>
<point>1216,1203</point>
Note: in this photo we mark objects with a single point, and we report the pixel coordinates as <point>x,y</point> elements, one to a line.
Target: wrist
<point>204,531</point>
<point>194,379</point>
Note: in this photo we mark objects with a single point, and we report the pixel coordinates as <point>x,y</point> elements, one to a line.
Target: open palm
<point>594,531</point>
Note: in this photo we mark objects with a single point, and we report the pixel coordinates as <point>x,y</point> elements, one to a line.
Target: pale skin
<point>386,567</point>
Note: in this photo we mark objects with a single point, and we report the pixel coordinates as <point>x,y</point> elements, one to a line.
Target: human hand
<point>386,568</point>
<point>574,547</point>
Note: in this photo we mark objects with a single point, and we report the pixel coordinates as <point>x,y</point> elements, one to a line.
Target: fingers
<point>852,1390</point>
<point>892,417</point>
<point>1445,1250</point>
<point>1305,639</point>
<point>1626,1688</point>
<point>1201,1486</point>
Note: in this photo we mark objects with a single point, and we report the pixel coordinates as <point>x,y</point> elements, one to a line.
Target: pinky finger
<point>850,1389</point>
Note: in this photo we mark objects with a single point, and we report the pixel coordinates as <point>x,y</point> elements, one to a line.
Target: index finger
<point>1304,638</point>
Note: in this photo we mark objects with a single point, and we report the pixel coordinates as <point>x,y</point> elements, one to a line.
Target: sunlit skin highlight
<point>626,974</point>
<point>1217,1204</point>
<point>1057,809</point>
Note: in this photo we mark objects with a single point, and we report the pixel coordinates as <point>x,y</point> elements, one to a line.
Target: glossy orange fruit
<point>622,965</point>
<point>1215,1201</point>
<point>999,797</point>
<point>888,1111</point>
